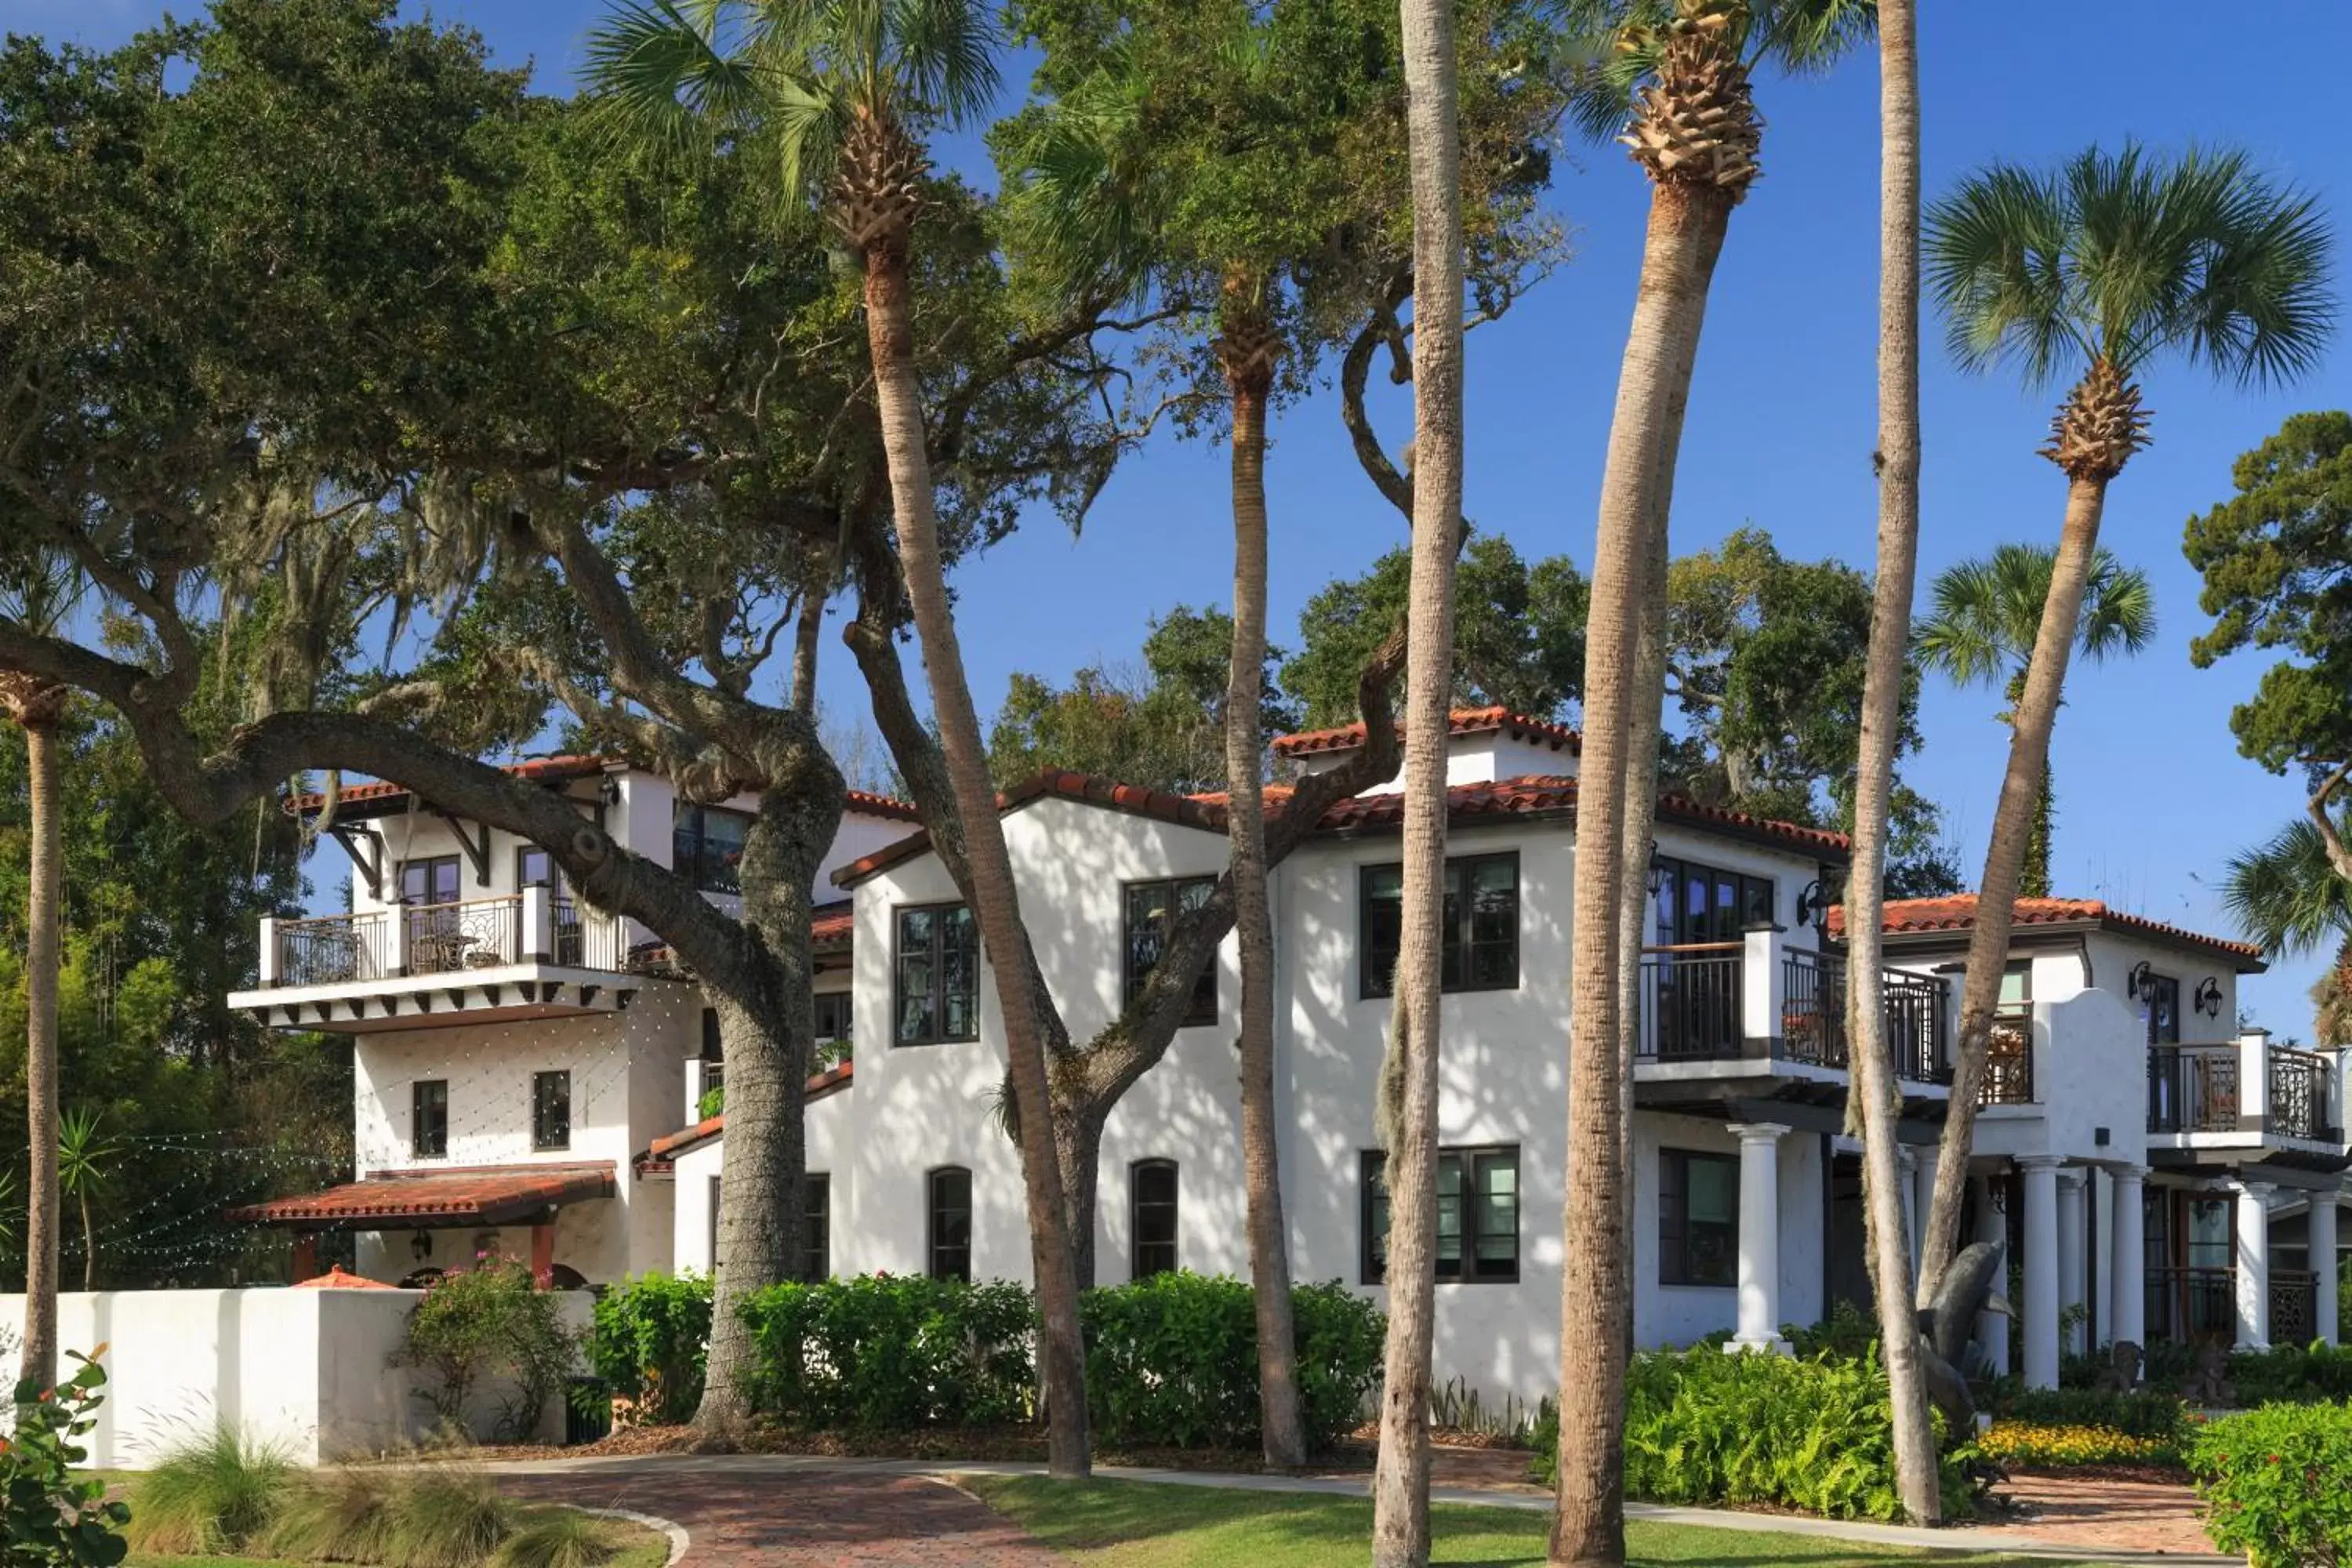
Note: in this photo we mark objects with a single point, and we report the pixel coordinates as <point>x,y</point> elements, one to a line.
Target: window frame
<point>2170,985</point>
<point>931,1212</point>
<point>552,881</point>
<point>842,1003</point>
<point>458,866</point>
<point>816,1227</point>
<point>688,824</point>
<point>1673,1263</point>
<point>1135,1210</point>
<point>1675,931</point>
<point>540,1143</point>
<point>939,995</point>
<point>1371,985</point>
<point>1201,1010</point>
<point>1467,1159</point>
<point>416,1107</point>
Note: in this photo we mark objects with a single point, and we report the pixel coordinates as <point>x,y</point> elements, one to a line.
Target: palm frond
<point>2118,610</point>
<point>1965,637</point>
<point>945,56</point>
<point>1997,265</point>
<point>1080,201</point>
<point>2285,896</point>
<point>1803,37</point>
<point>660,75</point>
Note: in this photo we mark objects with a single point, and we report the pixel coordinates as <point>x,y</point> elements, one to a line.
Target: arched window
<point>1152,1216</point>
<point>950,1222</point>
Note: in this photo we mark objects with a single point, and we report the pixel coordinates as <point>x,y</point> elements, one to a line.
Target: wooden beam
<point>366,851</point>
<point>477,845</point>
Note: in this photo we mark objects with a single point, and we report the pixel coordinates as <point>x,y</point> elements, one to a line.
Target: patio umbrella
<point>336,1280</point>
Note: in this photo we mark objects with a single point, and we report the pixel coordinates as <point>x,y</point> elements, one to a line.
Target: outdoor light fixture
<point>1813,903</point>
<point>2208,997</point>
<point>1658,870</point>
<point>420,1246</point>
<point>2135,983</point>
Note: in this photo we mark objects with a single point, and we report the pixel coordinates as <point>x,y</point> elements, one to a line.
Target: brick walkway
<point>808,1519</point>
<point>2089,1510</point>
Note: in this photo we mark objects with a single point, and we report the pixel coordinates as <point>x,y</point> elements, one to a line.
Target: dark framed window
<point>534,868</point>
<point>707,844</point>
<point>833,1015</point>
<point>935,994</point>
<point>1698,1217</point>
<point>950,1230</point>
<point>428,1118</point>
<point>431,880</point>
<point>550,1110</point>
<point>1704,904</point>
<point>712,1050</point>
<point>1151,911</point>
<point>1152,1216</point>
<point>1482,923</point>
<point>1478,1215</point>
<point>2159,1003</point>
<point>816,1227</point>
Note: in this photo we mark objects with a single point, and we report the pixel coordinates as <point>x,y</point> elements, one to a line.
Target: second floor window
<point>1478,1215</point>
<point>1151,911</point>
<point>950,1227</point>
<point>1703,904</point>
<point>428,1119</point>
<point>1482,924</point>
<point>2159,1003</point>
<point>429,881</point>
<point>550,1110</point>
<point>707,844</point>
<point>1152,1205</point>
<point>534,868</point>
<point>1698,1218</point>
<point>833,1015</point>
<point>935,997</point>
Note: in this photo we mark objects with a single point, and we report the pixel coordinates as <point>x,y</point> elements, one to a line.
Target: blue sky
<point>2152,796</point>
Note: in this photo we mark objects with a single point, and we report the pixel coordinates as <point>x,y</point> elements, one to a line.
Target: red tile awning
<point>466,1195</point>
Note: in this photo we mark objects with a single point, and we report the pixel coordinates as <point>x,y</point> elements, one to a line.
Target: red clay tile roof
<point>868,805</point>
<point>1461,721</point>
<point>833,923</point>
<point>460,1195</point>
<point>546,770</point>
<point>1137,800</point>
<point>1917,917</point>
<point>664,1151</point>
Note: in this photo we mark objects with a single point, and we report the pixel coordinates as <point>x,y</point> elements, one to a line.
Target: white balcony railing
<point>534,926</point>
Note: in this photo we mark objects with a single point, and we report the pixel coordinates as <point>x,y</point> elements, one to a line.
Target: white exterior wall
<point>828,1133</point>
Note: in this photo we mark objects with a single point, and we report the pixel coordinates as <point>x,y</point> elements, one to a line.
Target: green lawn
<point>1137,1524</point>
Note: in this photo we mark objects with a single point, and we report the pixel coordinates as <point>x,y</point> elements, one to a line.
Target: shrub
<point>1342,1340</point>
<point>209,1494</point>
<point>2291,1375</point>
<point>444,1517</point>
<point>1848,1333</point>
<point>559,1538</point>
<point>892,1354</point>
<point>2272,1482</point>
<point>2148,1414</point>
<point>649,1341</point>
<point>2057,1443</point>
<point>1702,1426</point>
<point>339,1516</point>
<point>49,1517</point>
<point>492,1320</point>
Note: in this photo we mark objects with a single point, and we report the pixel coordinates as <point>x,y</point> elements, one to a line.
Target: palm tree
<point>1877,1107</point>
<point>1696,132</point>
<point>2095,272</point>
<point>39,592</point>
<point>83,1156</point>
<point>841,91</point>
<point>1988,613</point>
<point>2286,896</point>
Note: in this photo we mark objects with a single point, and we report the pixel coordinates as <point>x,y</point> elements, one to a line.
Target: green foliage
<point>2293,1375</point>
<point>1173,1360</point>
<point>1706,1427</point>
<point>2141,1414</point>
<point>217,1492</point>
<point>2272,1484</point>
<point>647,1341</point>
<point>50,1517</point>
<point>561,1538</point>
<point>2058,1445</point>
<point>892,1354</point>
<point>490,1320</point>
<point>1848,1333</point>
<point>435,1516</point>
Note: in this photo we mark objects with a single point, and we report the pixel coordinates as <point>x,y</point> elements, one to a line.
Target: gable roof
<point>663,1151</point>
<point>1925,918</point>
<point>1203,812</point>
<point>1461,721</point>
<point>379,797</point>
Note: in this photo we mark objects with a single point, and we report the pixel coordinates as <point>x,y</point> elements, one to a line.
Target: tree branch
<point>2339,855</point>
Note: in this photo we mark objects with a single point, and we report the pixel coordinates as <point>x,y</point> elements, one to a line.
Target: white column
<point>267,976</point>
<point>2073,1272</point>
<point>2041,1242</point>
<point>538,934</point>
<point>2253,1280</point>
<point>2254,1078</point>
<point>1764,987</point>
<point>1992,1327</point>
<point>1759,1239</point>
<point>2323,1264</point>
<point>2129,1267</point>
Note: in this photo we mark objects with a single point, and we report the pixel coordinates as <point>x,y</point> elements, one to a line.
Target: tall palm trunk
<point>1641,736</point>
<point>1877,1106</point>
<point>38,710</point>
<point>1249,355</point>
<point>2096,434</point>
<point>1401,1479</point>
<point>890,336</point>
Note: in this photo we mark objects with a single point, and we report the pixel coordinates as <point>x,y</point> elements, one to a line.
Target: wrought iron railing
<point>583,939</point>
<point>2297,1102</point>
<point>2192,1089</point>
<point>2189,1304</point>
<point>1812,1009</point>
<point>478,933</point>
<point>336,948</point>
<point>1917,1026</point>
<point>2295,1306</point>
<point>1693,1002</point>
<point>2009,1062</point>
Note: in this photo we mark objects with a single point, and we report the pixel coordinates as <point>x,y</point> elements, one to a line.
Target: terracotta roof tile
<point>1461,721</point>
<point>1909,917</point>
<point>1138,800</point>
<point>665,1149</point>
<point>458,1195</point>
<point>868,805</point>
<point>545,770</point>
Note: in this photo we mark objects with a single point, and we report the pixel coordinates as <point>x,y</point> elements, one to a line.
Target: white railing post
<point>693,1091</point>
<point>269,960</point>
<point>2254,1078</point>
<point>1764,986</point>
<point>538,925</point>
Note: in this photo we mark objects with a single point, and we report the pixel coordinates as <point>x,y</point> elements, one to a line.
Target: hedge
<point>2141,1414</point>
<point>892,1354</point>
<point>647,1341</point>
<point>2274,1484</point>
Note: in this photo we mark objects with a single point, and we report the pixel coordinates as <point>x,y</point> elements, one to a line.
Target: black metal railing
<point>582,939</point>
<point>2295,1306</point>
<point>334,948</point>
<point>2184,1305</point>
<point>1692,1003</point>
<point>1918,1028</point>
<point>2297,1102</point>
<point>2009,1062</point>
<point>2192,1089</point>
<point>1812,1009</point>
<point>478,933</point>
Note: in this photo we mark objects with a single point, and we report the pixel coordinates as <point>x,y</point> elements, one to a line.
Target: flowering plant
<point>2047,1444</point>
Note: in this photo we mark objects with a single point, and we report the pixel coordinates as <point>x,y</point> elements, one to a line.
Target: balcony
<point>2189,1306</point>
<point>535,954</point>
<point>1759,1000</point>
<point>2246,1088</point>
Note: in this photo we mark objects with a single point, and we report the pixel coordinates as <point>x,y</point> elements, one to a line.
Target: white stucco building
<point>2132,1147</point>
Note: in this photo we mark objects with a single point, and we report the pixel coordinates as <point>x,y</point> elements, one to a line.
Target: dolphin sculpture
<point>1949,1353</point>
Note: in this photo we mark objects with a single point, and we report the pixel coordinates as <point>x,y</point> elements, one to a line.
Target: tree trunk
<point>1283,1431</point>
<point>2033,881</point>
<point>1401,1479</point>
<point>1077,1145</point>
<point>1642,739</point>
<point>88,1246</point>
<point>1876,1100</point>
<point>1685,236</point>
<point>44,919</point>
<point>2012,825</point>
<point>1004,939</point>
<point>767,1026</point>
